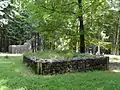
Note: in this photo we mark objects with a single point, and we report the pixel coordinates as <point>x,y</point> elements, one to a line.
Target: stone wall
<point>26,47</point>
<point>58,66</point>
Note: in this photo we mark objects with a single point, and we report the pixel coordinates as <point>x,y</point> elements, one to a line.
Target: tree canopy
<point>70,24</point>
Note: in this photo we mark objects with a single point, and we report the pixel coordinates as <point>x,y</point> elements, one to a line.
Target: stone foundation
<point>59,66</point>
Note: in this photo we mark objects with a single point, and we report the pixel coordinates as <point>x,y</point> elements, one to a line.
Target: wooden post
<point>38,68</point>
<point>41,68</point>
<point>107,62</point>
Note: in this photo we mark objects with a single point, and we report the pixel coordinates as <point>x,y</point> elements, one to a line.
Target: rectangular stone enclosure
<point>59,66</point>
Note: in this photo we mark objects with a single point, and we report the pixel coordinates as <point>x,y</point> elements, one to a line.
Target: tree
<point>115,10</point>
<point>5,14</point>
<point>13,23</point>
<point>19,30</point>
<point>81,28</point>
<point>57,22</point>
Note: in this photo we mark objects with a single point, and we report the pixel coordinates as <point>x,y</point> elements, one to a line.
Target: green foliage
<point>57,21</point>
<point>14,23</point>
<point>54,20</point>
<point>5,12</point>
<point>58,24</point>
<point>19,30</point>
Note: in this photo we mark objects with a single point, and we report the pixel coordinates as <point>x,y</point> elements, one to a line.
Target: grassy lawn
<point>14,75</point>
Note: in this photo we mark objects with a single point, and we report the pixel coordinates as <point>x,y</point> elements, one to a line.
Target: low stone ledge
<point>57,66</point>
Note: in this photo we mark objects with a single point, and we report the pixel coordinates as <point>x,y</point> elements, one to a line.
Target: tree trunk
<point>81,29</point>
<point>117,39</point>
<point>115,50</point>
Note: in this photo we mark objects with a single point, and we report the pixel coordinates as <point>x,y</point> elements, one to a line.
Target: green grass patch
<point>115,58</point>
<point>56,54</point>
<point>14,75</point>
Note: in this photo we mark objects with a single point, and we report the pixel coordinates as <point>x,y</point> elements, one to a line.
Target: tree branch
<point>54,10</point>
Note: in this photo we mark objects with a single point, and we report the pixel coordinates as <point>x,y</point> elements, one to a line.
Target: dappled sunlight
<point>7,54</point>
<point>17,70</point>
<point>24,71</point>
<point>4,88</point>
<point>7,88</point>
<point>49,76</point>
<point>54,55</point>
<point>22,88</point>
<point>115,71</point>
<point>7,62</point>
<point>14,65</point>
<point>2,84</point>
<point>3,81</point>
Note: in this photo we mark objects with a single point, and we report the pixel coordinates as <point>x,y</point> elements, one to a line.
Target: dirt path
<point>114,65</point>
<point>7,54</point>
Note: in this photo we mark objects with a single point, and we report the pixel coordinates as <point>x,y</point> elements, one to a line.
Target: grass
<point>115,58</point>
<point>14,75</point>
<point>56,54</point>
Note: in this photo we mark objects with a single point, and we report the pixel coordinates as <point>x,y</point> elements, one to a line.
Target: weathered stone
<point>57,66</point>
<point>26,47</point>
